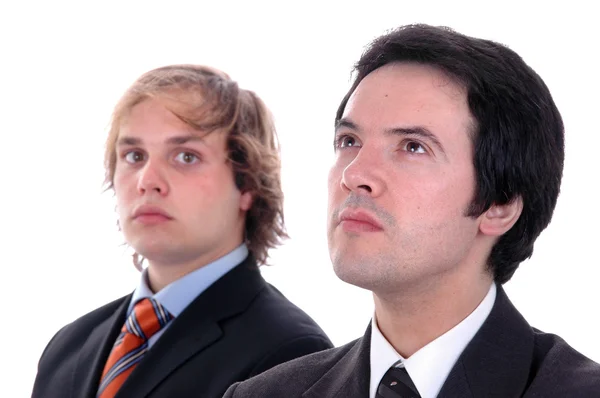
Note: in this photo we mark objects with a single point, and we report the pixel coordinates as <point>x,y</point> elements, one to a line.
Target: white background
<point>64,65</point>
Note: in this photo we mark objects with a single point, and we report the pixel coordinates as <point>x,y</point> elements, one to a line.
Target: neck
<point>418,315</point>
<point>163,273</point>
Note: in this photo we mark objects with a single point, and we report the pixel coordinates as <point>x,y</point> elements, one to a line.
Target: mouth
<point>150,215</point>
<point>358,220</point>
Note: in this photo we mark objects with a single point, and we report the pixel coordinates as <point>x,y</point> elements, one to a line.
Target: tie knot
<point>396,383</point>
<point>147,318</point>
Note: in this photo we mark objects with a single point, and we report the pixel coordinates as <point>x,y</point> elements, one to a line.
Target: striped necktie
<point>396,383</point>
<point>147,318</point>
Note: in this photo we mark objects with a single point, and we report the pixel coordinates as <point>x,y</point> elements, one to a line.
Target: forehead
<point>401,94</point>
<point>152,116</point>
<point>153,121</point>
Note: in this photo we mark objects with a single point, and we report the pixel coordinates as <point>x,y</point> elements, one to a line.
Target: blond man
<point>194,165</point>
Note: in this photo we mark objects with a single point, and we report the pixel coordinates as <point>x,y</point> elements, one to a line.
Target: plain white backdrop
<point>65,64</point>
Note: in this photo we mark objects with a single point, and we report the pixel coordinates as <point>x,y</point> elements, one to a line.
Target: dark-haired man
<point>449,156</point>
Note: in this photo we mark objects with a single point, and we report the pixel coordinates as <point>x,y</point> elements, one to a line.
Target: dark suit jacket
<point>237,328</point>
<point>506,358</point>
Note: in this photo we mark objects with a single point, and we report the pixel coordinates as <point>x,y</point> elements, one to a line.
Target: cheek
<point>430,194</point>
<point>447,198</point>
<point>336,172</point>
<point>458,192</point>
<point>121,177</point>
<point>121,187</point>
<point>209,192</point>
<point>125,191</point>
<point>333,183</point>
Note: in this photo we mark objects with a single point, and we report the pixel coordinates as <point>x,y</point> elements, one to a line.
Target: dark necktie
<point>396,383</point>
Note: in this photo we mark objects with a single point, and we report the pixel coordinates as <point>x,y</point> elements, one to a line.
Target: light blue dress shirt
<point>177,295</point>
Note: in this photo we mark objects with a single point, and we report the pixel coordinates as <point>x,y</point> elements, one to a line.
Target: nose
<point>363,175</point>
<point>151,180</point>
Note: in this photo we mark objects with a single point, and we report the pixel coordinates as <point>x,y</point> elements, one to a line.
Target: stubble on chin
<point>374,273</point>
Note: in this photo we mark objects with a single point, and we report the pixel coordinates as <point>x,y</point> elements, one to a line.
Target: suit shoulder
<point>82,326</point>
<point>284,318</point>
<point>60,356</point>
<point>562,369</point>
<point>276,330</point>
<point>291,377</point>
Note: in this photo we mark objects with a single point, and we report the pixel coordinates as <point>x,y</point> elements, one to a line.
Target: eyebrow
<point>177,140</point>
<point>345,123</point>
<point>418,131</point>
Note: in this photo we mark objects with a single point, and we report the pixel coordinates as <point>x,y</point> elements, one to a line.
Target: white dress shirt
<point>430,366</point>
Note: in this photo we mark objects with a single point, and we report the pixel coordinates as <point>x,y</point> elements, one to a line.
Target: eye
<point>187,158</point>
<point>346,141</point>
<point>414,147</point>
<point>133,156</point>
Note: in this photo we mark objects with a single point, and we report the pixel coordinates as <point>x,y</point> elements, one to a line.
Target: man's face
<point>402,181</point>
<point>176,196</point>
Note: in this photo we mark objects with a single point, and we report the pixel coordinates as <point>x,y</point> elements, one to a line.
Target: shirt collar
<point>430,366</point>
<point>177,295</point>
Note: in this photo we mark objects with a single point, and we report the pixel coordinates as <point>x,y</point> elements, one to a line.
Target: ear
<point>246,200</point>
<point>498,219</point>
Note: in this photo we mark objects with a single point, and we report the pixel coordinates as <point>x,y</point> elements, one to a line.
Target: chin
<point>150,248</point>
<point>364,266</point>
<point>352,269</point>
<point>149,256</point>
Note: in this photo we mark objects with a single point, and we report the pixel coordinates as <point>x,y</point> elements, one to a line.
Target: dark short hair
<point>518,139</point>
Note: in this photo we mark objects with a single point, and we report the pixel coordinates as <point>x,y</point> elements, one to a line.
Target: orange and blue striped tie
<point>147,318</point>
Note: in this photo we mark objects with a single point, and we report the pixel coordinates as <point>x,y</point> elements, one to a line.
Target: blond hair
<point>208,99</point>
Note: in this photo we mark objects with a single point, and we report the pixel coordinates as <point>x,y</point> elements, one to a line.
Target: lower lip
<point>358,226</point>
<point>151,219</point>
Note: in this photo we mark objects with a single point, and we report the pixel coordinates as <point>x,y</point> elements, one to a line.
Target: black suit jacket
<point>506,358</point>
<point>237,328</point>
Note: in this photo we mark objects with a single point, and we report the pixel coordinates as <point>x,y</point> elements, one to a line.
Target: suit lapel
<point>95,351</point>
<point>349,377</point>
<point>169,353</point>
<point>196,328</point>
<point>496,362</point>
